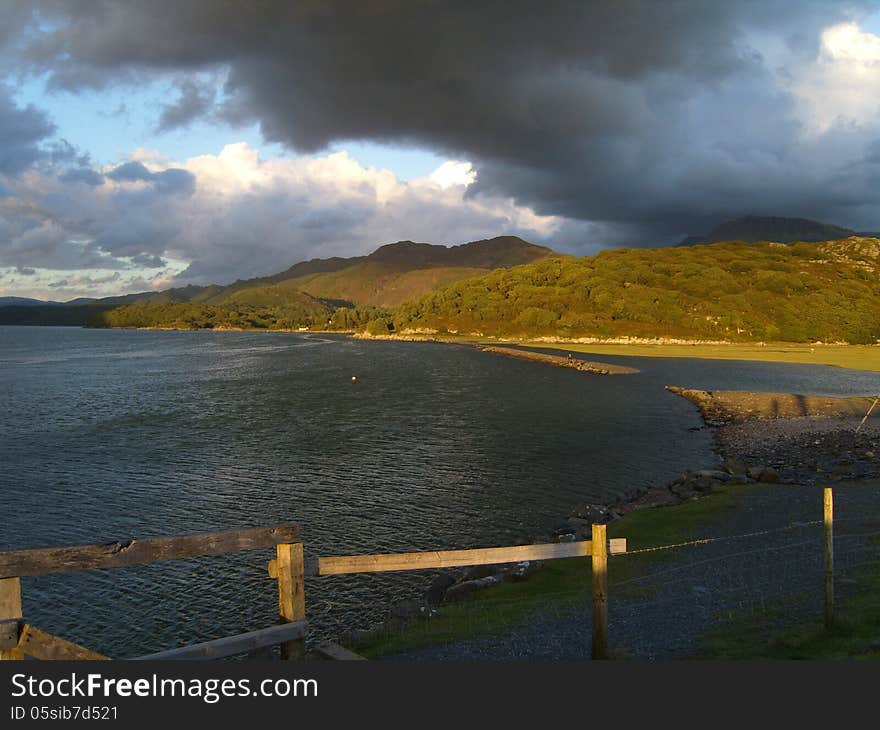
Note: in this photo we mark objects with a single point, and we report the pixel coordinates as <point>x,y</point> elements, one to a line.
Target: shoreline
<point>222,329</point>
<point>754,448</point>
<point>832,354</point>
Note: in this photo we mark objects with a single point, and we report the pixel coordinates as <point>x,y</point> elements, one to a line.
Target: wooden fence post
<point>599,551</point>
<point>10,610</point>
<point>290,568</point>
<point>829,556</point>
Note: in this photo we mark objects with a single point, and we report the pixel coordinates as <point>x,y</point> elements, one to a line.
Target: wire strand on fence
<point>707,540</point>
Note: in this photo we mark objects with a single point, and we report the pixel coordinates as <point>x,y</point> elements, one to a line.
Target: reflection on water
<point>115,434</point>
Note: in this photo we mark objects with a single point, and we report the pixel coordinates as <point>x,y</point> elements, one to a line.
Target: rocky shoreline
<point>755,444</point>
<point>803,439</point>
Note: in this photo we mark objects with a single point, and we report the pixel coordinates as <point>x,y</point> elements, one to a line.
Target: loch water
<point>113,434</point>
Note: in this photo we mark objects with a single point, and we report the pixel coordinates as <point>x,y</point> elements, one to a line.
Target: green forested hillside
<point>324,293</point>
<point>800,292</point>
<point>313,314</point>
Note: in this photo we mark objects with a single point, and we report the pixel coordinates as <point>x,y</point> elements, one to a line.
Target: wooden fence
<point>598,549</point>
<point>18,637</point>
<point>288,568</point>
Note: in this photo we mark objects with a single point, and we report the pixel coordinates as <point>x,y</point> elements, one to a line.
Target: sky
<point>145,145</point>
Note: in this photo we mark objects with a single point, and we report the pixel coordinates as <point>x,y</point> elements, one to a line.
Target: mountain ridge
<point>386,277</point>
<point>779,229</point>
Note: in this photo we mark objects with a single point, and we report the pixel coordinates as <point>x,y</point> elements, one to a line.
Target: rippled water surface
<point>117,434</point>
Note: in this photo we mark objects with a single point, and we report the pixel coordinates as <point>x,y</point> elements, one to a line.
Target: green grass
<point>857,357</point>
<point>855,633</point>
<point>561,585</point>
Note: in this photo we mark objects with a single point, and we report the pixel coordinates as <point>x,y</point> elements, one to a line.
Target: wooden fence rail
<point>232,645</point>
<point>598,549</point>
<point>18,638</point>
<point>347,564</point>
<point>19,563</point>
<point>289,569</point>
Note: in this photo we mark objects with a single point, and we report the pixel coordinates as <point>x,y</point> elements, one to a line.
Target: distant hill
<point>76,312</point>
<point>57,315</point>
<point>800,292</point>
<point>309,290</point>
<point>24,302</point>
<point>328,293</point>
<point>387,277</point>
<point>754,228</point>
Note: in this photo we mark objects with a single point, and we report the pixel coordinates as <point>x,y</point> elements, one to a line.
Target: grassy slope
<point>386,278</point>
<point>379,285</point>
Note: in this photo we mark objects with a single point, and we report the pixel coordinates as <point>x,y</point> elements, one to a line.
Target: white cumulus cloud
<point>842,85</point>
<point>454,172</point>
<point>216,218</point>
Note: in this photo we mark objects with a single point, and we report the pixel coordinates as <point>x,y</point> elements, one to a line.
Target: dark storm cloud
<point>148,261</point>
<point>22,132</point>
<point>647,119</point>
<point>82,174</point>
<point>130,172</point>
<point>173,181</point>
<point>195,100</point>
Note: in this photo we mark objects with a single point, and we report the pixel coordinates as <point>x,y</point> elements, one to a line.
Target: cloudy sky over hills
<point>144,145</point>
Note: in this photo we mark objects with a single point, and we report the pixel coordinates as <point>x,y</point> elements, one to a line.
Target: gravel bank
<point>771,580</point>
<point>806,450</point>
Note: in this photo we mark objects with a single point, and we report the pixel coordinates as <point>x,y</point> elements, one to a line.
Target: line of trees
<point>196,316</point>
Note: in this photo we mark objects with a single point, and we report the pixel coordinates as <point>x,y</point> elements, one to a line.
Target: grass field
<point>857,357</point>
